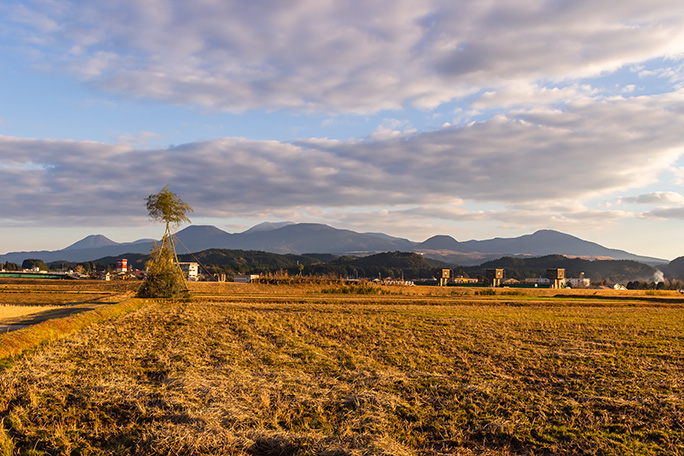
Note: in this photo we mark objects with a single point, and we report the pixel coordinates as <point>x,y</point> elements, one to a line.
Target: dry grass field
<point>37,292</point>
<point>30,301</point>
<point>283,370</point>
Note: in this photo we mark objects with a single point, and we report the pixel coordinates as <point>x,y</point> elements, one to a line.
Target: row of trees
<point>664,285</point>
<point>28,263</point>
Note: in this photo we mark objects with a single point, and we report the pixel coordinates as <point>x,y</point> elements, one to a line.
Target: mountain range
<point>299,238</point>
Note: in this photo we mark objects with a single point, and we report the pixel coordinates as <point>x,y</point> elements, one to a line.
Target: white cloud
<point>531,95</point>
<point>664,213</point>
<point>344,56</point>
<point>561,215</point>
<point>526,160</point>
<point>654,198</point>
<point>672,73</point>
<point>678,175</point>
<point>35,18</point>
<point>138,140</point>
<point>393,128</point>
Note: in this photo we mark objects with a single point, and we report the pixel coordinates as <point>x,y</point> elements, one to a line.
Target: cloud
<point>138,140</point>
<point>531,95</point>
<point>664,213</point>
<point>34,18</point>
<point>563,215</point>
<point>425,220</point>
<point>342,56</point>
<point>393,128</point>
<point>525,160</point>
<point>654,198</point>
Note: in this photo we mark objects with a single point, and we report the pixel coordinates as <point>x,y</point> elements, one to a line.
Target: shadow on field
<point>48,315</point>
<point>273,446</point>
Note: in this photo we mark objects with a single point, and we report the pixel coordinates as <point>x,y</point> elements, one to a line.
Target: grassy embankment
<point>265,370</point>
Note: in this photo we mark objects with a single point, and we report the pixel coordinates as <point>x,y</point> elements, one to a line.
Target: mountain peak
<point>440,242</point>
<point>92,241</point>
<point>267,226</point>
<point>553,233</point>
<point>205,230</point>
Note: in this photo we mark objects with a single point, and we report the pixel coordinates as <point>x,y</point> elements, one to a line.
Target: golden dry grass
<point>224,289</point>
<point>42,292</point>
<point>263,370</point>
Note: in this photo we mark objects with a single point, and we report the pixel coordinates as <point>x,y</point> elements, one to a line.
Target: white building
<point>580,282</point>
<point>191,270</point>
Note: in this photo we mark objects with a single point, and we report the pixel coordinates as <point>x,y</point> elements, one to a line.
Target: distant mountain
<point>81,254</point>
<point>289,238</point>
<point>675,269</point>
<point>300,238</point>
<point>318,238</point>
<point>542,242</point>
<point>440,242</point>
<point>91,242</point>
<point>201,237</point>
<point>267,226</point>
<point>389,238</point>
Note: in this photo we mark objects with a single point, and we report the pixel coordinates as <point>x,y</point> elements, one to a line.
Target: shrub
<point>512,293</point>
<point>486,292</point>
<point>362,289</point>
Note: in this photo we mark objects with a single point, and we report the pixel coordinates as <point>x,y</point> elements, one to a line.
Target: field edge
<point>16,343</point>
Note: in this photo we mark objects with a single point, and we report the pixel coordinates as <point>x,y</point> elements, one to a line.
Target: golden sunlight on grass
<point>268,370</point>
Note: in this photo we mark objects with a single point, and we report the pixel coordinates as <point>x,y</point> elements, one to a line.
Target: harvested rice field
<point>255,369</point>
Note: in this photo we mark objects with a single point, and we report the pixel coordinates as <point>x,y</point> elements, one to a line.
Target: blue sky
<point>474,119</point>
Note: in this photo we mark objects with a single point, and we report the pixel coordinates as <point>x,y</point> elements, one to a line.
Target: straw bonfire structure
<point>164,277</point>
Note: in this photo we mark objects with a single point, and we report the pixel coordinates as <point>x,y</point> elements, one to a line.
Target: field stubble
<point>307,373</point>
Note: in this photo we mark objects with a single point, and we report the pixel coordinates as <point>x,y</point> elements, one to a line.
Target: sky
<point>469,118</point>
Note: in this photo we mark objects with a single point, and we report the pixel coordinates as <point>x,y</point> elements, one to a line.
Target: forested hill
<point>596,270</point>
<point>391,264</point>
